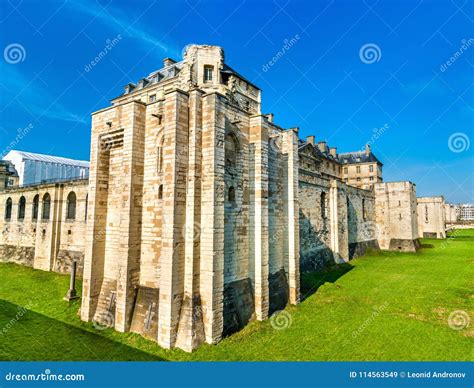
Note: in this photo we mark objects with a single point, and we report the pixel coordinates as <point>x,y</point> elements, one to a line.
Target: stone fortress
<point>200,212</point>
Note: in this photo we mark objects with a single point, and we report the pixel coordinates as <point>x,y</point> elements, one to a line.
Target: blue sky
<point>323,84</point>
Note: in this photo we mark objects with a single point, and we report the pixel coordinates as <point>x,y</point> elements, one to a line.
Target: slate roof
<point>358,157</point>
<point>327,155</point>
<point>10,168</point>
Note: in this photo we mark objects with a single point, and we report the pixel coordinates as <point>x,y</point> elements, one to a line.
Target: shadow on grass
<point>29,336</point>
<point>427,246</point>
<point>311,281</point>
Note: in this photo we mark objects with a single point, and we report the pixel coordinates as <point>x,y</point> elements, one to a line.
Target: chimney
<point>310,139</point>
<point>129,88</point>
<point>333,151</point>
<point>367,149</point>
<point>270,117</point>
<point>168,61</point>
<point>322,146</point>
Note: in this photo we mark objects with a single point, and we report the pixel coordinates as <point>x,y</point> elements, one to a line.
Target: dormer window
<point>208,73</point>
<point>152,98</point>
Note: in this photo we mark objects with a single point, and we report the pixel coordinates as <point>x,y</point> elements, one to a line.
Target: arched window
<point>231,194</point>
<point>46,207</point>
<point>159,156</point>
<point>231,150</point>
<point>34,214</point>
<point>160,192</point>
<point>85,211</point>
<point>324,212</point>
<point>8,209</point>
<point>21,208</point>
<point>71,206</point>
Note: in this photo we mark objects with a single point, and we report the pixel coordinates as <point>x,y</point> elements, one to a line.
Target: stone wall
<point>396,216</point>
<point>44,240</point>
<point>337,221</point>
<point>431,217</point>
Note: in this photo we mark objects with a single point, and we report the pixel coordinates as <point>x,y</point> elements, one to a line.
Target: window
<point>323,205</point>
<point>159,167</point>
<point>358,169</point>
<point>358,179</point>
<point>334,167</point>
<point>345,170</point>
<point>231,195</point>
<point>21,208</point>
<point>208,72</point>
<point>426,213</point>
<point>400,216</point>
<point>34,214</point>
<point>8,209</point>
<point>46,207</point>
<point>85,211</point>
<point>371,178</point>
<point>71,206</point>
<point>160,192</point>
<point>231,151</point>
<point>371,168</point>
<point>364,210</point>
<point>152,98</point>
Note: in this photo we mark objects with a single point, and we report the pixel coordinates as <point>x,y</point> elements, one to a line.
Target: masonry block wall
<point>431,217</point>
<point>198,216</point>
<point>45,225</point>
<point>396,216</point>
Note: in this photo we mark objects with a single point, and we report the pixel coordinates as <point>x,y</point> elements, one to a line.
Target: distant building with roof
<point>361,168</point>
<point>34,168</point>
<point>8,174</point>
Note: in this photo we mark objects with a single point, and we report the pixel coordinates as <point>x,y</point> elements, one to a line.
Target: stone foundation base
<point>404,245</point>
<point>65,259</point>
<point>278,291</point>
<point>239,305</point>
<point>359,248</point>
<point>17,254</point>
<point>145,314</point>
<point>316,259</point>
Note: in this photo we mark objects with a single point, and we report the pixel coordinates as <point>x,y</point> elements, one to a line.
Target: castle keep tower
<point>187,179</point>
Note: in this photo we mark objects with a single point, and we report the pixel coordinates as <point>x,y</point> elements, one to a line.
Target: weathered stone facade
<point>431,217</point>
<point>201,212</point>
<point>45,227</point>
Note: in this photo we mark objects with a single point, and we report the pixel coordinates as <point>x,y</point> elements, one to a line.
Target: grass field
<point>383,306</point>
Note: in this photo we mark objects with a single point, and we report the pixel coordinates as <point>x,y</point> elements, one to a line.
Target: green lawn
<point>383,306</point>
